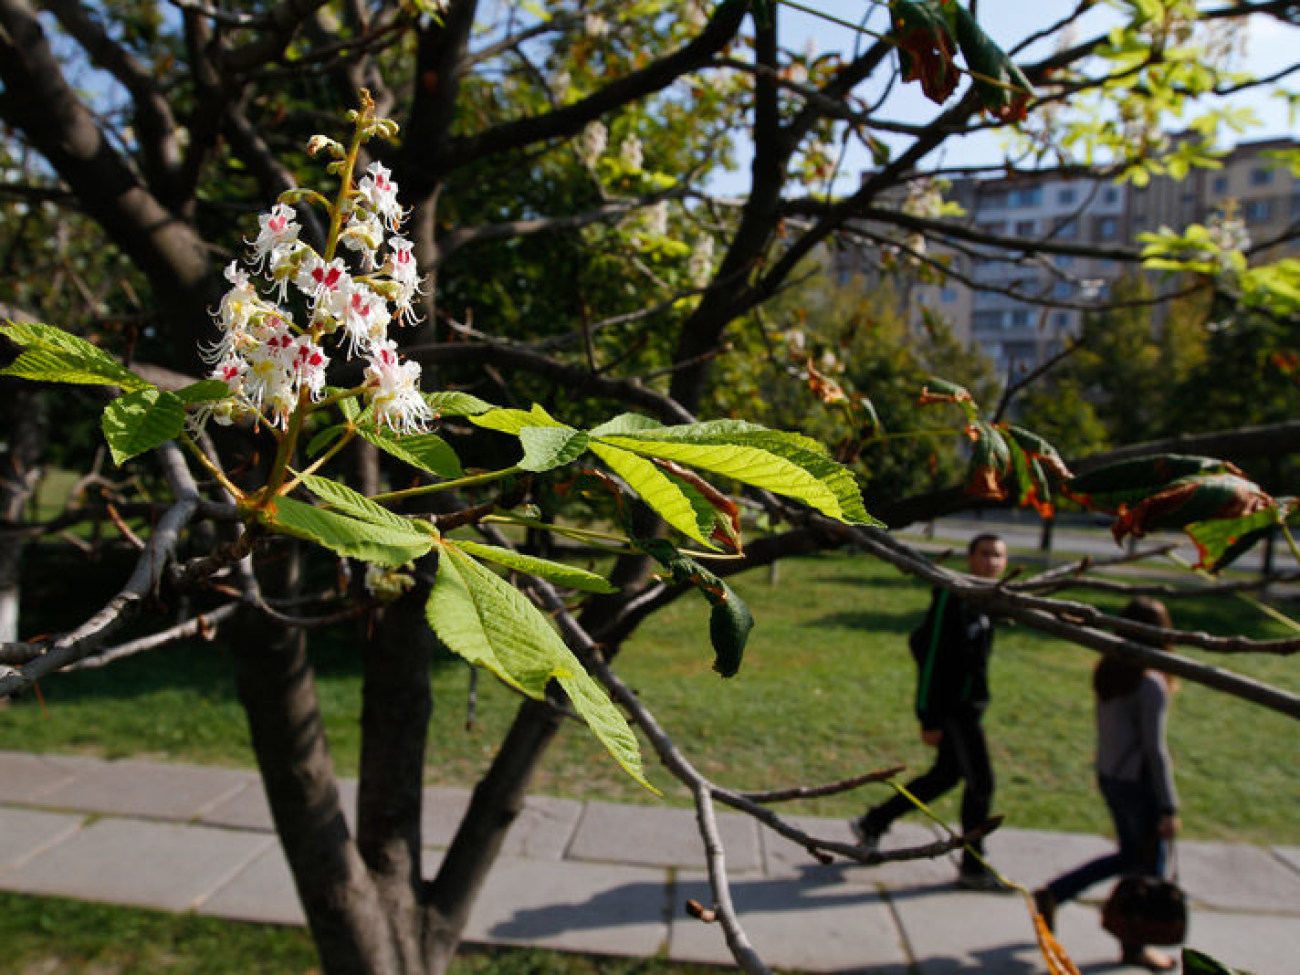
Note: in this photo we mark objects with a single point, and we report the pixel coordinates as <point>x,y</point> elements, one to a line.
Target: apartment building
<point>1021,307</point>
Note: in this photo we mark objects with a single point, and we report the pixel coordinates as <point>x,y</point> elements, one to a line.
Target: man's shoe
<point>1045,905</point>
<point>1148,958</point>
<point>868,838</point>
<point>982,880</point>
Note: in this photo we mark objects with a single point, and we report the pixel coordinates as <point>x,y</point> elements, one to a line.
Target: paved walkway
<point>612,879</point>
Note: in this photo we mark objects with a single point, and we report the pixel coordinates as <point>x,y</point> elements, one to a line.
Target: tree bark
<point>276,686</point>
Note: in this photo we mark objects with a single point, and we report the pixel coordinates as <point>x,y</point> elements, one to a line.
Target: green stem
<point>285,451</point>
<point>472,481</point>
<point>348,436</point>
<point>580,534</point>
<point>211,468</point>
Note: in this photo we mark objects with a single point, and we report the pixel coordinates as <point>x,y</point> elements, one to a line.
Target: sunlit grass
<point>825,692</point>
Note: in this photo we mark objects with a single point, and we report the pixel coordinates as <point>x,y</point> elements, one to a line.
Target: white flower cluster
<point>270,363</point>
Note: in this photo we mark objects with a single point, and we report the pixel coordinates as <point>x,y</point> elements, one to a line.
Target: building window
<point>1221,184</point>
<point>1061,319</point>
<point>1026,228</point>
<point>1107,228</point>
<point>1258,211</point>
<point>948,295</point>
<point>1065,260</point>
<point>985,320</point>
<point>1062,289</point>
<point>1111,195</point>
<point>993,227</point>
<point>1067,229</point>
<point>994,199</point>
<point>1020,319</point>
<point>1030,196</point>
<point>1066,196</point>
<point>1260,176</point>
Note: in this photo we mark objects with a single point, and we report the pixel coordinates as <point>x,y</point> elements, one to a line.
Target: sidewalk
<point>611,879</point>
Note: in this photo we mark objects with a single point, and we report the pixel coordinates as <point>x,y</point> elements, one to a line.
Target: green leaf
<point>203,391</point>
<point>1221,541</point>
<point>141,420</point>
<point>1003,88</point>
<point>661,492</point>
<point>785,463</point>
<point>1198,963</point>
<point>484,619</point>
<point>557,572</point>
<point>425,451</point>
<point>325,437</point>
<point>357,505</point>
<point>53,355</point>
<point>351,537</point>
<point>512,421</point>
<point>729,620</point>
<point>1127,481</point>
<point>546,448</point>
<point>454,403</point>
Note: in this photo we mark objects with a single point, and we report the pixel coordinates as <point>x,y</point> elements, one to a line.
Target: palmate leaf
<point>557,572</point>
<point>1192,499</point>
<point>484,619</point>
<point>546,448</point>
<point>784,463</point>
<point>1221,541</point>
<point>1198,963</point>
<point>729,619</point>
<point>141,420</point>
<point>1129,481</point>
<point>1003,89</point>
<point>450,402</point>
<point>203,391</point>
<point>52,355</point>
<point>661,492</point>
<point>350,537</point>
<point>357,505</point>
<point>425,451</point>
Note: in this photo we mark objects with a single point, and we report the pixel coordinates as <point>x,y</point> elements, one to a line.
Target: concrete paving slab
<point>247,808</point>
<point>567,906</point>
<point>152,790</point>
<point>163,865</point>
<point>1236,877</point>
<point>1089,945</point>
<point>25,833</point>
<point>660,836</point>
<point>809,924</point>
<point>1290,855</point>
<point>1034,857</point>
<point>26,778</point>
<point>952,931</point>
<point>1259,944</point>
<point>263,891</point>
<point>784,858</point>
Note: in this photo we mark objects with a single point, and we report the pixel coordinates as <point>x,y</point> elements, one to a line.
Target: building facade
<point>1020,307</point>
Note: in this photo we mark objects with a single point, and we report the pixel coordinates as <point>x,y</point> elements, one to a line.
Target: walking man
<point>951,648</point>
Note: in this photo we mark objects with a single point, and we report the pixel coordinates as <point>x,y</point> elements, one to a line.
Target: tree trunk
<point>277,688</point>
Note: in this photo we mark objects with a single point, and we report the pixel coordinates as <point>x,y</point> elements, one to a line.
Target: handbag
<point>1144,910</point>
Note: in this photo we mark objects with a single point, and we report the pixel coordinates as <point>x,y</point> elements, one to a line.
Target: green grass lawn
<point>824,693</point>
<point>49,935</point>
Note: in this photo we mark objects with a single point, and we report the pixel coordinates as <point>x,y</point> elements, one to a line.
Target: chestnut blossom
<point>365,320</point>
<point>404,272</point>
<point>278,228</point>
<point>592,144</point>
<point>630,154</point>
<point>380,193</point>
<point>394,390</point>
<point>270,365</point>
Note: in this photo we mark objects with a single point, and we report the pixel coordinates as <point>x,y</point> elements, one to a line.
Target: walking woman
<point>1136,779</point>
